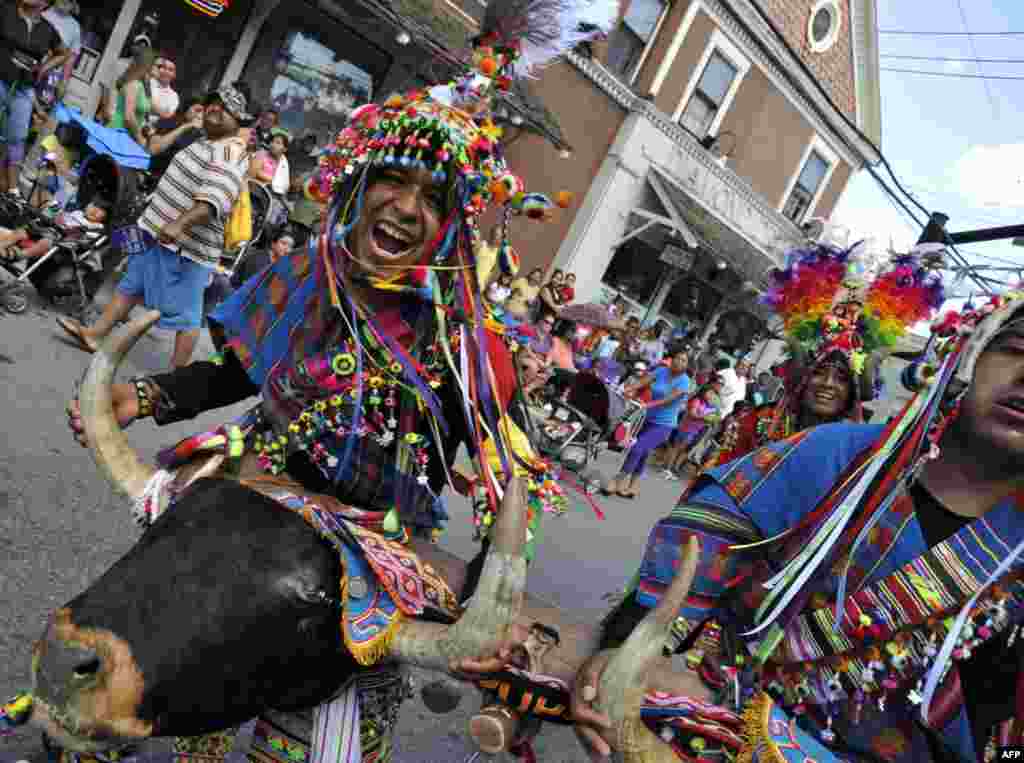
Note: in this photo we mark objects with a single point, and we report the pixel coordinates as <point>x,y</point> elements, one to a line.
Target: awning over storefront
<point>738,247</point>
<point>673,220</point>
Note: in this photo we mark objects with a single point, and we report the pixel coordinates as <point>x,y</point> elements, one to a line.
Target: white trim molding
<point>821,147</point>
<point>721,43</point>
<point>864,42</point>
<point>836,24</point>
<point>749,28</point>
<point>665,10</point>
<point>673,50</point>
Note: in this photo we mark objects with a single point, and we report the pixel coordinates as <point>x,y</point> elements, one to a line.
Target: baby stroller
<point>75,265</point>
<point>584,413</point>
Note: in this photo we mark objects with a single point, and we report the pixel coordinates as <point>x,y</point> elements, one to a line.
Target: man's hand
<point>593,729</point>
<point>172,233</point>
<point>126,409</point>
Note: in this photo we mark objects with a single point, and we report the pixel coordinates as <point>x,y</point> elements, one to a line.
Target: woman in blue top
<point>669,389</point>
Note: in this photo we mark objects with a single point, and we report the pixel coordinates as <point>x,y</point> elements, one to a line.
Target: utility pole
<point>935,231</point>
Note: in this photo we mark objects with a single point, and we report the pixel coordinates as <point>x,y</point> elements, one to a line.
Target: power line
<point>974,52</point>
<point>950,74</point>
<point>950,34</point>
<point>948,59</point>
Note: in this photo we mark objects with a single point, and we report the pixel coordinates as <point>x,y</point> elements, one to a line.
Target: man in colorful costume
<point>866,578</point>
<point>834,349</point>
<point>371,352</point>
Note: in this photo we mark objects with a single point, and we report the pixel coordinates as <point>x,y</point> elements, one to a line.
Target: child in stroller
<point>55,256</point>
<point>30,242</point>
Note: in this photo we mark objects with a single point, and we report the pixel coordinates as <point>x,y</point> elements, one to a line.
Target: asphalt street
<point>61,527</point>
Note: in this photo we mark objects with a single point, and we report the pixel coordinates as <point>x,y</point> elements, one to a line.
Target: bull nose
<point>62,668</point>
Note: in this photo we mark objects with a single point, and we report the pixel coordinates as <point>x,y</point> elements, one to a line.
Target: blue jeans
<point>17,105</point>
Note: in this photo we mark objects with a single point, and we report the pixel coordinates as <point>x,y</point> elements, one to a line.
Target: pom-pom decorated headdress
<point>833,300</point>
<point>449,130</point>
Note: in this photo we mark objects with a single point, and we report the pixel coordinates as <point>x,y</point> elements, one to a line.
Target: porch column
<point>260,12</point>
<point>670,279</point>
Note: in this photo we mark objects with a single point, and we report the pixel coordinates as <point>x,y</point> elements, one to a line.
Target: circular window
<point>823,25</point>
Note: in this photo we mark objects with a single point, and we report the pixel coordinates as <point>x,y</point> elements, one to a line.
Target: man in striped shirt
<point>184,224</point>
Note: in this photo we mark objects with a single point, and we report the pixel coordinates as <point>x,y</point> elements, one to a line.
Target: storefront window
<point>313,70</point>
<point>200,45</point>
<point>692,300</point>
<point>635,270</point>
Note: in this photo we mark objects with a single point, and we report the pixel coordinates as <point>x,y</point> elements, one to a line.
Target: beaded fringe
<point>756,741</point>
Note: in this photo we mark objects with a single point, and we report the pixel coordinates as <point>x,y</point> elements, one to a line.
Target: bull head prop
<point>216,615</point>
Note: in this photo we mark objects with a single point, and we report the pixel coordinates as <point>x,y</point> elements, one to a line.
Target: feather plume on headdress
<point>830,301</point>
<point>543,30</point>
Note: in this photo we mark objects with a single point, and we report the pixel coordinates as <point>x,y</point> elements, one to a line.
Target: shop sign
<point>210,7</point>
<point>706,185</point>
<point>677,257</point>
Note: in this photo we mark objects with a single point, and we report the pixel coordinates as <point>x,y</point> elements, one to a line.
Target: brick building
<point>705,133</point>
<point>697,139</point>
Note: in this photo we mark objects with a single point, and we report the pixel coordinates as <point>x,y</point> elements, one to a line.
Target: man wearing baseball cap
<point>184,229</point>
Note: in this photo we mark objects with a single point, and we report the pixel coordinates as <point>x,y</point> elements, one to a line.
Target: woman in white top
<point>164,98</point>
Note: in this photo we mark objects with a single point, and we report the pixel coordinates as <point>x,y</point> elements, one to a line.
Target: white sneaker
<point>670,476</point>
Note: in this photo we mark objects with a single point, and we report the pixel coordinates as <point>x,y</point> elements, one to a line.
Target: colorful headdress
<point>831,536</point>
<point>449,130</point>
<point>833,300</point>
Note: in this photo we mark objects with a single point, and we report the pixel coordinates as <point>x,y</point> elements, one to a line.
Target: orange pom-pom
<point>564,199</point>
<point>488,66</point>
<point>499,192</point>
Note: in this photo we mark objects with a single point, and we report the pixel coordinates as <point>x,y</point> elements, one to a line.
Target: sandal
<point>74,330</point>
<point>629,496</point>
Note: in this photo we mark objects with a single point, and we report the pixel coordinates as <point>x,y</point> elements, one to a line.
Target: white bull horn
<point>486,623</point>
<point>110,449</point>
<point>624,680</point>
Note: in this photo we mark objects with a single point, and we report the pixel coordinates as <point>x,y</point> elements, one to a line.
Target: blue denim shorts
<point>170,283</point>
<point>18,118</point>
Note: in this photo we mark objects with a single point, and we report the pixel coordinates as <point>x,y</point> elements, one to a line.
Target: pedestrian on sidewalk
<point>185,224</point>
<point>669,387</point>
<point>701,412</point>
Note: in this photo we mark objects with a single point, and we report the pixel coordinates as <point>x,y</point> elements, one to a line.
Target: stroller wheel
<point>16,301</point>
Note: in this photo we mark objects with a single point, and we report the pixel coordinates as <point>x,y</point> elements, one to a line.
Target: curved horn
<point>624,680</point>
<point>114,456</point>
<point>493,608</point>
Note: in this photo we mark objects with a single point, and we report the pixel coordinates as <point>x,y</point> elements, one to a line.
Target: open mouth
<point>390,240</point>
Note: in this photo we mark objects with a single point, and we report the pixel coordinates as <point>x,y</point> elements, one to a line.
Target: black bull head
<point>214,615</point>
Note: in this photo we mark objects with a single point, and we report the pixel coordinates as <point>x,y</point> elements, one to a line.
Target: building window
<point>315,71</point>
<point>709,96</point>
<point>823,25</point>
<point>805,190</point>
<point>627,43</point>
<point>635,271</point>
